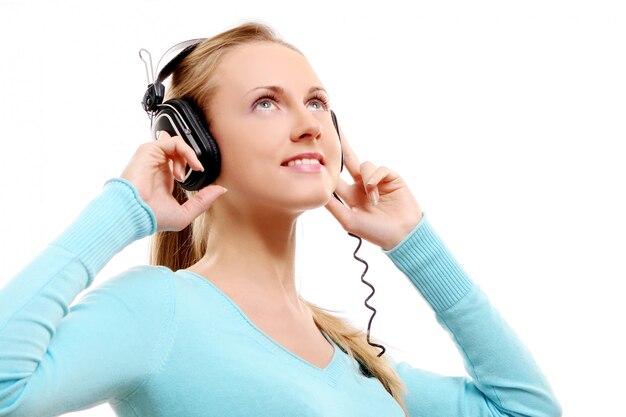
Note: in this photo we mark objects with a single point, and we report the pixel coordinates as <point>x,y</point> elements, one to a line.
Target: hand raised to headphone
<point>381,209</point>
<point>152,169</point>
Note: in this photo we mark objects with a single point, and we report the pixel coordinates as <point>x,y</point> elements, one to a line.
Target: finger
<point>340,212</point>
<point>179,168</point>
<point>182,165</point>
<point>370,173</point>
<point>343,190</point>
<point>348,192</point>
<point>376,177</point>
<point>367,168</point>
<point>372,183</point>
<point>200,202</point>
<point>350,160</point>
<point>163,135</point>
<point>175,145</point>
<point>188,154</point>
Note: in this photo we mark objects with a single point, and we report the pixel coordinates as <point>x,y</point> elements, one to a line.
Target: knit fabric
<point>153,342</point>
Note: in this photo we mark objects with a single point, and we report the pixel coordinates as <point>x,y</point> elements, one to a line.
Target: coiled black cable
<point>369,324</point>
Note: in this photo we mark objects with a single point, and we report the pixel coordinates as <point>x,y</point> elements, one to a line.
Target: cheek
<point>236,144</point>
<point>246,160</point>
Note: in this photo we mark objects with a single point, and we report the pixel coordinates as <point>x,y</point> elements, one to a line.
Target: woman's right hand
<point>152,169</point>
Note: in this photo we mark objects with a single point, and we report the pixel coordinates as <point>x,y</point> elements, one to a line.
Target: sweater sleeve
<point>55,359</point>
<point>505,380</point>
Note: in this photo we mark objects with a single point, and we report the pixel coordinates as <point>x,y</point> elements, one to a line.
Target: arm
<point>55,359</point>
<point>505,380</point>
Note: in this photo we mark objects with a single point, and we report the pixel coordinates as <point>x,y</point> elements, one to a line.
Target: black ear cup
<point>334,117</point>
<point>183,118</point>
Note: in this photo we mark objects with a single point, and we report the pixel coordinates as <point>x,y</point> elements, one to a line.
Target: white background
<point>505,118</point>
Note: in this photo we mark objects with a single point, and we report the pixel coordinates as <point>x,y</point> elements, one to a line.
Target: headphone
<point>183,117</point>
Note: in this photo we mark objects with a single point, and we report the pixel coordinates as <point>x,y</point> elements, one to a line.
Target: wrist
<point>110,222</point>
<point>424,258</point>
<point>404,230</point>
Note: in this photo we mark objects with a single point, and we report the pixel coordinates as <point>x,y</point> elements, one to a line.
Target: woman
<point>219,329</point>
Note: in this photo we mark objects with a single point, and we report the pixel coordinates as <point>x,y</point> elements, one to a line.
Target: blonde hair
<point>193,80</point>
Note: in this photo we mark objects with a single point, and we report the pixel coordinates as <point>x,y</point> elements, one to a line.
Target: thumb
<point>201,201</point>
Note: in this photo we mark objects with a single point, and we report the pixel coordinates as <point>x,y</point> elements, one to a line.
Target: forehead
<point>264,63</point>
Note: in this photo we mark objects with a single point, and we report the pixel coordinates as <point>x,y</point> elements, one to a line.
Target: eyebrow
<point>279,90</point>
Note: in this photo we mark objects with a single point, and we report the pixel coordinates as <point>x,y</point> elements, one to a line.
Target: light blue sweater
<point>152,342</point>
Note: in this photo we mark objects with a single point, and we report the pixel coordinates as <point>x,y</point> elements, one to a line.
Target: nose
<point>306,126</point>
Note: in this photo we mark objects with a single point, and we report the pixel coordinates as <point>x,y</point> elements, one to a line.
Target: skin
<point>251,246</point>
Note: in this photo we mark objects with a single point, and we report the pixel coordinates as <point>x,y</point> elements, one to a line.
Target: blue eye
<point>318,103</point>
<point>265,105</point>
<point>270,102</point>
<point>265,102</point>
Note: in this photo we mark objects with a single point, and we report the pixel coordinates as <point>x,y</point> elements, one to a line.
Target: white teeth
<point>303,162</point>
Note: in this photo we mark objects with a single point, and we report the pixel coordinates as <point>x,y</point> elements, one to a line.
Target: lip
<point>307,155</point>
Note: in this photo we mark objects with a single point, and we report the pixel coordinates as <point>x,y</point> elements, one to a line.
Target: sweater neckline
<point>328,368</point>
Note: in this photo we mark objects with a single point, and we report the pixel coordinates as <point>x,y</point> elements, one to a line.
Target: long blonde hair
<point>193,80</point>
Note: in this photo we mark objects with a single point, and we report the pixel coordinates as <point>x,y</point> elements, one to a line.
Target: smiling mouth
<point>303,161</point>
<point>312,158</point>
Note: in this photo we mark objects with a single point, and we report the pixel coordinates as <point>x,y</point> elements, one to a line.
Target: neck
<point>251,253</point>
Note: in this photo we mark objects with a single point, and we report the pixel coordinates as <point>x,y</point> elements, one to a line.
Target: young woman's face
<point>270,108</point>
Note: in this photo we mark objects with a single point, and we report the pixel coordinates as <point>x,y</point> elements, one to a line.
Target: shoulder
<point>141,276</point>
<point>135,307</point>
<point>146,288</point>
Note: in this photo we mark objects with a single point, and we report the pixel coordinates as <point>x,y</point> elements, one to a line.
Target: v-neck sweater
<point>153,342</point>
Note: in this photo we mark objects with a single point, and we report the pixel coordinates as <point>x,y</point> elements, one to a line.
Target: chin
<point>302,200</point>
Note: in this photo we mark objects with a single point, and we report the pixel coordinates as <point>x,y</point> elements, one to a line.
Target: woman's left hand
<point>381,209</point>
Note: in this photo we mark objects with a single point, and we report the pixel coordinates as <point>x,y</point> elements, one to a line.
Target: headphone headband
<point>155,92</point>
<point>187,47</point>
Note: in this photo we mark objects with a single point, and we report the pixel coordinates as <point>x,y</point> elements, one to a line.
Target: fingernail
<point>373,196</point>
<point>225,189</point>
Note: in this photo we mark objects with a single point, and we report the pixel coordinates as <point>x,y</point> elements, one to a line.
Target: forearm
<point>498,362</point>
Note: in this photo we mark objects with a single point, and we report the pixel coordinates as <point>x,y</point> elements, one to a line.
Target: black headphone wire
<point>354,254</point>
